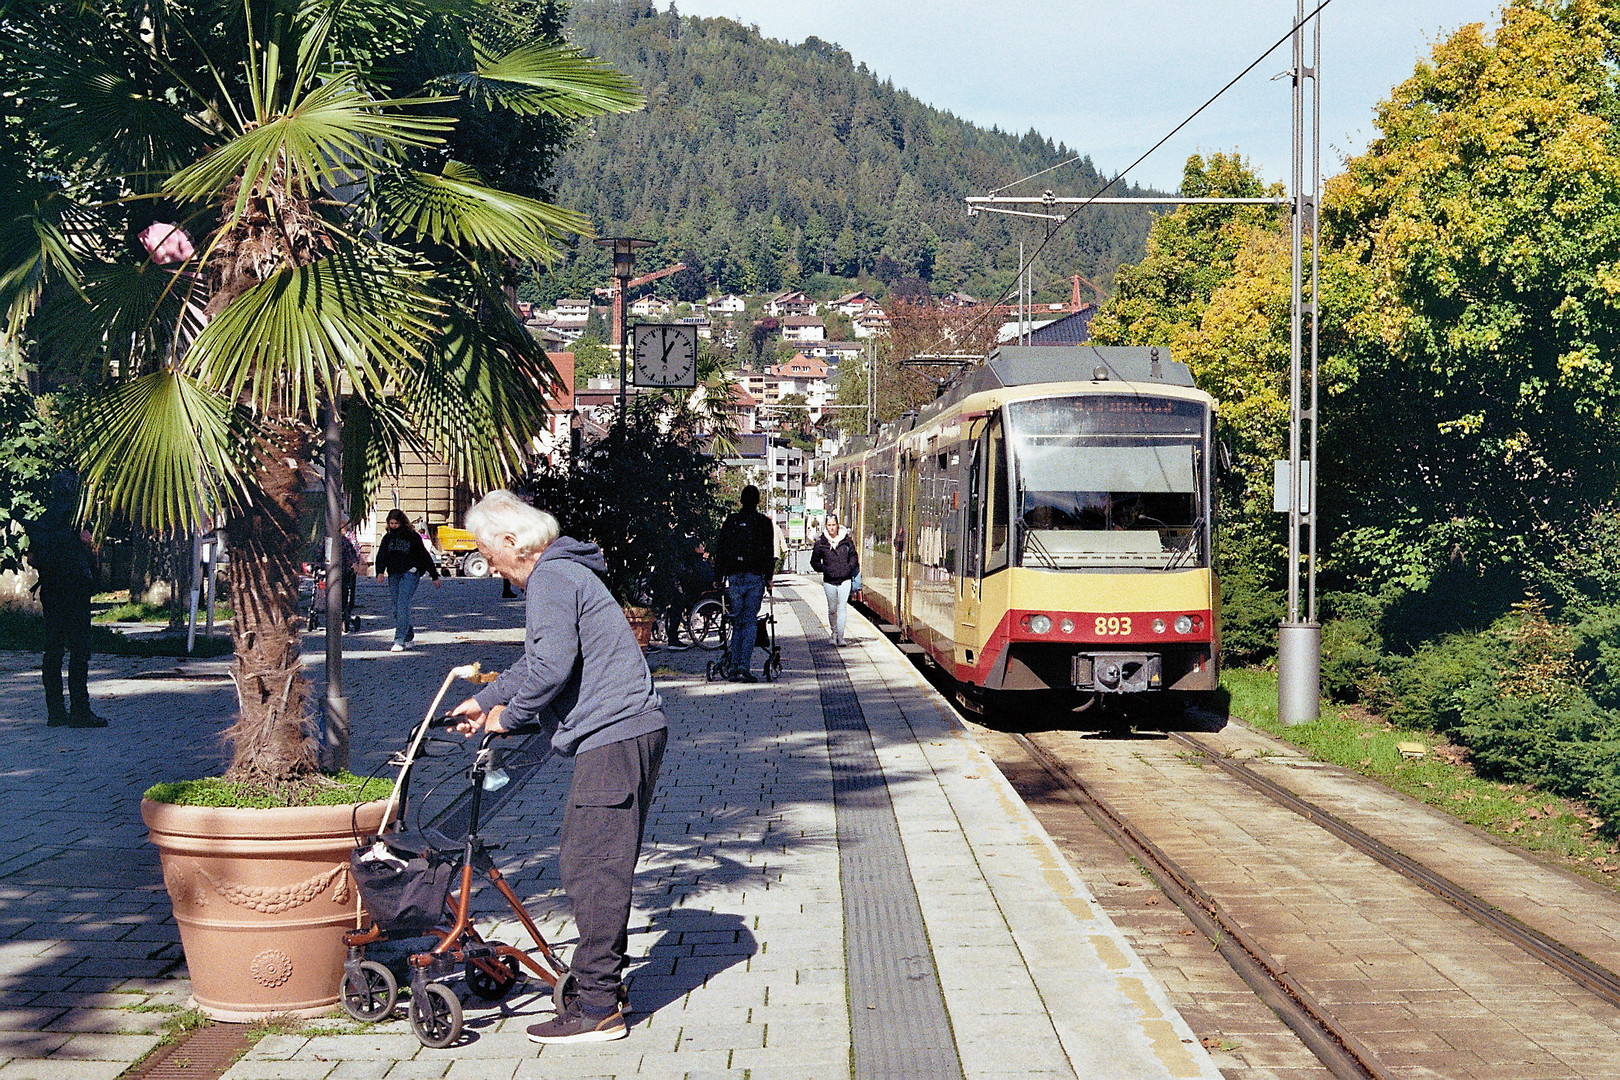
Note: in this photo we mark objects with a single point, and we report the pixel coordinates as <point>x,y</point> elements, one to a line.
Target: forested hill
<point>772,163</point>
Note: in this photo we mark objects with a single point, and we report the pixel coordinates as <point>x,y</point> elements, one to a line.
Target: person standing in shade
<point>61,554</point>
<point>745,560</point>
<point>402,558</point>
<point>835,556</point>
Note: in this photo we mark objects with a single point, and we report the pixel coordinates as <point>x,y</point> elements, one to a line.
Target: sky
<point>1111,77</point>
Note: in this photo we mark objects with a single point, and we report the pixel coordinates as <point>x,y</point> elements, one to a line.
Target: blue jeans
<point>837,607</point>
<point>402,587</point>
<point>745,592</point>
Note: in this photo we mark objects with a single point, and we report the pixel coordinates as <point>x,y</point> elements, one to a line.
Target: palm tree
<point>336,162</point>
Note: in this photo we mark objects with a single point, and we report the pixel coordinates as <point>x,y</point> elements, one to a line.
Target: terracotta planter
<point>641,624</point>
<point>262,898</point>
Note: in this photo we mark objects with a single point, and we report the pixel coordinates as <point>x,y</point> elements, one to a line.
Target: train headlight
<point>1067,626</point>
<point>1158,626</point>
<point>1183,624</point>
<point>1041,624</point>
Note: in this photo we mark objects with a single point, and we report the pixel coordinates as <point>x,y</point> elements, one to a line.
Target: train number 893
<point>1112,625</point>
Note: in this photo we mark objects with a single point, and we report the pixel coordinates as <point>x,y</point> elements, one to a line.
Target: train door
<point>905,534</point>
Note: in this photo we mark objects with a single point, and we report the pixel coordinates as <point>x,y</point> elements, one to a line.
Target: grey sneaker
<point>574,1026</point>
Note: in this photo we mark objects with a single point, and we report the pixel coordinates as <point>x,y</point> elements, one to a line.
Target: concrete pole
<point>337,706</point>
<point>1299,641</point>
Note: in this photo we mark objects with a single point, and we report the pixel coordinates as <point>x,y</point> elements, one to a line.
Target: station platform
<point>837,882</point>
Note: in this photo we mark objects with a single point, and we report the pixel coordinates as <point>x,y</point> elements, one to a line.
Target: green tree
<point>31,452</point>
<point>592,358</point>
<point>309,146</point>
<point>1484,410</point>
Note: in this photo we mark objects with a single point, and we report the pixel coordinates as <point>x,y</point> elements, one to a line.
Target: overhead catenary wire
<point>1053,230</point>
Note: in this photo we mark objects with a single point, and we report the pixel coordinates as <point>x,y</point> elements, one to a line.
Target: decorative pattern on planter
<point>181,887</point>
<point>271,968</point>
<point>273,901</point>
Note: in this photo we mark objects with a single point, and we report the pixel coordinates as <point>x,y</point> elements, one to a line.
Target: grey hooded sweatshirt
<point>579,657</point>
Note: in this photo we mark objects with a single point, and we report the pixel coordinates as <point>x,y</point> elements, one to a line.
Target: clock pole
<point>624,264</point>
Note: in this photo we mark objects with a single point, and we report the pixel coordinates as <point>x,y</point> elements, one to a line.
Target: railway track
<point>1340,1051</point>
<point>1336,1044</point>
<point>1596,978</point>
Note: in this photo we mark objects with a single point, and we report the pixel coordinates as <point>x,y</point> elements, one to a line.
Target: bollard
<point>1299,672</point>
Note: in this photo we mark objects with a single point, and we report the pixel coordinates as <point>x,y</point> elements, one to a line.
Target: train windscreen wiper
<point>1182,555</point>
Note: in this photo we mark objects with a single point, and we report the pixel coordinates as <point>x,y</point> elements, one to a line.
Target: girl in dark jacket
<point>834,555</point>
<point>402,559</point>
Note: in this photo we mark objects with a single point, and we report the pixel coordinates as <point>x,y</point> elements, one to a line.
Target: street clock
<point>664,355</point>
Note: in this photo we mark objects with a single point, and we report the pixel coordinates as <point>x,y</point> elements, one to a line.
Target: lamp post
<point>624,264</point>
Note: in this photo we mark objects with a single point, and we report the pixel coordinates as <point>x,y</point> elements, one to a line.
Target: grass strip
<point>1560,830</point>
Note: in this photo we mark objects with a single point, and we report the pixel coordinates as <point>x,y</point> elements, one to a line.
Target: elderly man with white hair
<point>583,674</point>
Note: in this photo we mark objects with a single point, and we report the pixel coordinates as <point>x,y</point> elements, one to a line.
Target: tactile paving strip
<point>898,1025</point>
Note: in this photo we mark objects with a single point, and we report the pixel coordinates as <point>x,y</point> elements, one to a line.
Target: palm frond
<point>323,140</point>
<point>125,312</point>
<point>34,246</point>
<point>458,209</point>
<point>549,78</point>
<point>480,400</point>
<point>161,451</point>
<point>374,430</point>
<point>286,341</point>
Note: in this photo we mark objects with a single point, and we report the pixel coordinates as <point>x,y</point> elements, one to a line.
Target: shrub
<point>1353,663</point>
<point>1597,650</point>
<point>1250,613</point>
<point>1434,686</point>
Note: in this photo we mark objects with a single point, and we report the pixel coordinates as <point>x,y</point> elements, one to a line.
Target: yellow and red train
<point>1044,532</point>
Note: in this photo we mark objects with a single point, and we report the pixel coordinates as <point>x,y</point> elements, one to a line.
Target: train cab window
<point>973,523</point>
<point>998,502</point>
<point>1105,482</point>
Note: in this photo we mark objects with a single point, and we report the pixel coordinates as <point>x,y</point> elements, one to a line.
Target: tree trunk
<point>272,740</point>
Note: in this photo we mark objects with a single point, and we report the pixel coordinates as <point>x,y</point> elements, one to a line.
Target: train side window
<point>998,499</point>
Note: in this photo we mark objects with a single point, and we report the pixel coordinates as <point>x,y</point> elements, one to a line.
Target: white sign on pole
<point>1279,491</point>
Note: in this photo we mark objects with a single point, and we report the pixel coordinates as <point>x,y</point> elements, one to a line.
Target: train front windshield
<point>1109,482</point>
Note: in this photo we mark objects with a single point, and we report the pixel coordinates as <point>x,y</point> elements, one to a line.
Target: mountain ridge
<point>771,165</point>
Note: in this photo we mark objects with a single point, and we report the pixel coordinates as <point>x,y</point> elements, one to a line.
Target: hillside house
<point>801,328</point>
<point>725,305</point>
<point>571,309</point>
<point>650,306</point>
<point>872,321</point>
<point>851,304</point>
<point>790,303</point>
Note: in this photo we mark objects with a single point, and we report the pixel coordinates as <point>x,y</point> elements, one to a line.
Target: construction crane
<point>619,309</point>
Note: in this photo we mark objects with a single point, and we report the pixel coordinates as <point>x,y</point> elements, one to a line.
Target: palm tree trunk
<point>272,740</point>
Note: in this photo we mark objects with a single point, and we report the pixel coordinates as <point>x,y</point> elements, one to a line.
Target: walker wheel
<point>708,671</point>
<point>436,1016</point>
<point>772,668</point>
<point>370,991</point>
<point>492,977</point>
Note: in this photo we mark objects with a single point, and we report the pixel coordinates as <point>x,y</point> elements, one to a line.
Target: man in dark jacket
<point>62,556</point>
<point>745,560</point>
<point>583,675</point>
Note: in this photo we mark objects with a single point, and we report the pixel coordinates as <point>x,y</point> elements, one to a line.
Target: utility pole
<point>1299,640</point>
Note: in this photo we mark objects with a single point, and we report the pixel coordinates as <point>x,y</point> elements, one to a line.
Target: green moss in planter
<point>338,790</point>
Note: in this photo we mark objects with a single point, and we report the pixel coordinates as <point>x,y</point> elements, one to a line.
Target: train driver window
<point>998,501</point>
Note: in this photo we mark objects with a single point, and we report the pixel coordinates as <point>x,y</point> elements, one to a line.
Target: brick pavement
<point>737,937</point>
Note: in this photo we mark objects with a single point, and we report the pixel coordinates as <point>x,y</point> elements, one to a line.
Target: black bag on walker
<point>403,881</point>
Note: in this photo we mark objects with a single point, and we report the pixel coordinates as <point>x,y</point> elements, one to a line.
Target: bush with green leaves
<point>31,452</point>
<point>1250,614</point>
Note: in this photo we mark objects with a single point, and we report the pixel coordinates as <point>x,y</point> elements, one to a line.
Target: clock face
<point>664,355</point>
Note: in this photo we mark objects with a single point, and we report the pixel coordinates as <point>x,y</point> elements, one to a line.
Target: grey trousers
<point>601,839</point>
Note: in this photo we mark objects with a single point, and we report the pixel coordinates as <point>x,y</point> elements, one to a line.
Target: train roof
<point>1015,366</point>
